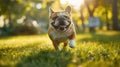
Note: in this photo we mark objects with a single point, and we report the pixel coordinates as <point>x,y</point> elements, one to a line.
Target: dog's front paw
<point>72,43</point>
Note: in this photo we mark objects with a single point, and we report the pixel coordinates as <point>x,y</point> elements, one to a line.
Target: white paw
<point>72,43</point>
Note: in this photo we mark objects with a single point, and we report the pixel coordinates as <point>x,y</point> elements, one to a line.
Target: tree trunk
<point>91,29</point>
<point>107,22</point>
<point>10,21</point>
<point>115,15</point>
<point>82,19</point>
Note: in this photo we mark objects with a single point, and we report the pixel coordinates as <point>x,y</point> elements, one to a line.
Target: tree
<point>107,6</point>
<point>82,18</point>
<point>8,8</point>
<point>91,6</point>
<point>115,14</point>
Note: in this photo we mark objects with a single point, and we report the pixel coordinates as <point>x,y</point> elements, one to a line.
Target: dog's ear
<point>50,11</point>
<point>68,9</point>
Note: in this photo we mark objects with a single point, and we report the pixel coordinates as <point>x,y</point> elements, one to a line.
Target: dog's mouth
<point>61,27</point>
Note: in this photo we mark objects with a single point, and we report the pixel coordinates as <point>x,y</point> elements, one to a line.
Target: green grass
<point>100,49</point>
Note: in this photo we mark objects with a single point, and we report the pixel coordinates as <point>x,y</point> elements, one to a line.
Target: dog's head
<point>60,20</point>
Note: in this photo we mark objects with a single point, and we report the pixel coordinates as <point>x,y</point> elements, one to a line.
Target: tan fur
<point>53,15</point>
<point>59,36</point>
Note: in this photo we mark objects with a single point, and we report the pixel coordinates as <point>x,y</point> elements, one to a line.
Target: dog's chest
<point>61,36</point>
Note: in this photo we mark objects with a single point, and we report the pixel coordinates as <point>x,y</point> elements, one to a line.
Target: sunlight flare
<point>75,3</point>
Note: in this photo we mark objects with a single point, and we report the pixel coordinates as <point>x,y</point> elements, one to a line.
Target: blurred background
<point>97,42</point>
<point>32,16</point>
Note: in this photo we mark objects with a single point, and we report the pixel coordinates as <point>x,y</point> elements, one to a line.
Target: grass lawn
<point>100,49</point>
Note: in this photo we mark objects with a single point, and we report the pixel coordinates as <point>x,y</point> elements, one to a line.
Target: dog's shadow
<point>47,58</point>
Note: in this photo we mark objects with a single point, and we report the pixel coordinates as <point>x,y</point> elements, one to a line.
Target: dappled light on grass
<point>92,50</point>
<point>13,48</point>
<point>20,41</point>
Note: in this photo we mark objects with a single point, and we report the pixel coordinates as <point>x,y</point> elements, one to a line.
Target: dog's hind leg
<point>65,43</point>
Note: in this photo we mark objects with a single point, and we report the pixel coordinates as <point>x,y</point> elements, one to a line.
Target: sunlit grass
<point>101,49</point>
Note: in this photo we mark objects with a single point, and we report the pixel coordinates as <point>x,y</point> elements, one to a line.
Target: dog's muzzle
<point>61,27</point>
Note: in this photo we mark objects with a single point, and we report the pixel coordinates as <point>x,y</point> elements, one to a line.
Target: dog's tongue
<point>62,28</point>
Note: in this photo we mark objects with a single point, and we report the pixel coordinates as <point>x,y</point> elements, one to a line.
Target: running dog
<point>61,28</point>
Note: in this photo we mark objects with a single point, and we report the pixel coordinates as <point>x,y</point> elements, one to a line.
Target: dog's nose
<point>62,23</point>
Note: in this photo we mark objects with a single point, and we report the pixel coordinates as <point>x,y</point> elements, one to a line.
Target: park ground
<point>101,49</point>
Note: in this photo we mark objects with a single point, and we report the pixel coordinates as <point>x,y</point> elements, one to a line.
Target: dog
<point>61,28</point>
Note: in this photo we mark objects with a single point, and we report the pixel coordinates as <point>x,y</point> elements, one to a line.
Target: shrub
<point>25,28</point>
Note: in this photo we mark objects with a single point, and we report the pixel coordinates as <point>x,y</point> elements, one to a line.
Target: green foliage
<point>23,29</point>
<point>11,7</point>
<point>100,49</point>
<point>12,10</point>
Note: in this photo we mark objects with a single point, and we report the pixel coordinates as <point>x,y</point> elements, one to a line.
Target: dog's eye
<point>55,17</point>
<point>66,16</point>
